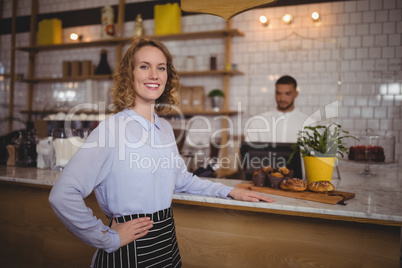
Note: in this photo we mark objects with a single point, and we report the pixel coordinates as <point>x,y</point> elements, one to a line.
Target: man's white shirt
<point>275,126</point>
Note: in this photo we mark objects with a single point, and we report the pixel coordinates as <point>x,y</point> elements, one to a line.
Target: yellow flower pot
<point>318,168</point>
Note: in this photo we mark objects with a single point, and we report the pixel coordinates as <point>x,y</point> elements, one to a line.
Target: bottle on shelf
<point>107,15</point>
<point>3,90</point>
<point>212,62</point>
<point>103,66</point>
<point>25,149</point>
<point>138,27</point>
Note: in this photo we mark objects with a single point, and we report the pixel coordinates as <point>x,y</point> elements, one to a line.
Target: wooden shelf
<point>64,79</point>
<point>97,43</point>
<point>201,35</point>
<point>124,40</point>
<point>185,113</point>
<point>212,72</point>
<point>53,111</point>
<point>198,112</point>
<point>109,77</point>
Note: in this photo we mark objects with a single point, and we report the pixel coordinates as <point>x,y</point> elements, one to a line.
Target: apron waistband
<point>156,216</point>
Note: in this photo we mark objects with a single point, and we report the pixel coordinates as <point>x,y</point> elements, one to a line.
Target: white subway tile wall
<point>358,41</point>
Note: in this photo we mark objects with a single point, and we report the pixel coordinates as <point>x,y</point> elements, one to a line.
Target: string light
<point>287,18</point>
<point>315,16</point>
<point>264,21</point>
<point>75,37</point>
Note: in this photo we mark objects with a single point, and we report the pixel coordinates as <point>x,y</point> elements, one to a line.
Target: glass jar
<point>66,142</point>
<point>61,148</point>
<point>45,153</point>
<point>25,149</point>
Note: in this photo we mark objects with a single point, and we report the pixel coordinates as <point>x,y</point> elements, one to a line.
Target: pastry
<point>256,172</point>
<point>321,186</point>
<point>294,184</point>
<point>259,178</point>
<point>284,170</point>
<point>276,174</point>
<point>268,169</point>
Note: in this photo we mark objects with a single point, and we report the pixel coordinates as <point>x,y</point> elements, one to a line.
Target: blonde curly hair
<point>123,92</point>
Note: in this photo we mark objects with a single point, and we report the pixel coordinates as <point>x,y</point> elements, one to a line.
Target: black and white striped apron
<point>158,248</point>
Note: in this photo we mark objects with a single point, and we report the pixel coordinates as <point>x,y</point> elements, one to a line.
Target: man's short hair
<point>286,80</point>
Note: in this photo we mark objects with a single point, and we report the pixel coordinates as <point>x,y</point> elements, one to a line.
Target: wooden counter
<point>214,232</point>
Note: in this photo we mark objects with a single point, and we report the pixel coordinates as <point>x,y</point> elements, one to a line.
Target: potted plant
<point>216,97</point>
<point>319,146</point>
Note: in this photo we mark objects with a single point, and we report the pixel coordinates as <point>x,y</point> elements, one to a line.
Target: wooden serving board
<point>333,198</point>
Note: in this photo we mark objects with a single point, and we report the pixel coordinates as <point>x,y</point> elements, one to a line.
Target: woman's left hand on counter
<point>247,195</point>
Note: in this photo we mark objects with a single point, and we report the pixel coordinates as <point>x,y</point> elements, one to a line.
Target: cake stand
<point>371,140</point>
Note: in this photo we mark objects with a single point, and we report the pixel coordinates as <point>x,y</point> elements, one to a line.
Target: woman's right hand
<point>132,230</point>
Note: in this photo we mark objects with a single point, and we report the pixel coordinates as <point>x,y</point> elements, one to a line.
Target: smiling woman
<point>150,77</point>
<point>125,91</point>
<point>135,167</point>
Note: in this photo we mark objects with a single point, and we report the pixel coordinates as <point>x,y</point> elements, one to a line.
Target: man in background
<point>283,123</point>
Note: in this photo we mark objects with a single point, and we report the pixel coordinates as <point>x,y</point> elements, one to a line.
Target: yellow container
<point>167,19</point>
<point>50,32</point>
<point>318,168</point>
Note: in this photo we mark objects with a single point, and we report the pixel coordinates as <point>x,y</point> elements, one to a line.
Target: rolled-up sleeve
<point>87,169</point>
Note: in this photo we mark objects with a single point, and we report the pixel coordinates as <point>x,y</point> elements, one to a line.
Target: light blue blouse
<point>133,166</point>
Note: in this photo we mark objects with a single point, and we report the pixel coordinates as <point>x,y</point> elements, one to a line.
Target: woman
<point>132,163</point>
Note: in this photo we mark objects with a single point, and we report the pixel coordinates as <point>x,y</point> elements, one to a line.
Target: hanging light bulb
<point>287,18</point>
<point>264,21</point>
<point>315,16</point>
<point>75,37</point>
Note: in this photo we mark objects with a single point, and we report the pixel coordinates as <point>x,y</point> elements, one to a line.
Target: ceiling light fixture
<point>264,21</point>
<point>315,16</point>
<point>287,18</point>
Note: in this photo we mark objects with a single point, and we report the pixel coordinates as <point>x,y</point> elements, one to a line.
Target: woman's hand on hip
<point>132,230</point>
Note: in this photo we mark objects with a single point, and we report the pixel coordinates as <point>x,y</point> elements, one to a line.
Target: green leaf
<point>216,93</point>
<point>321,140</point>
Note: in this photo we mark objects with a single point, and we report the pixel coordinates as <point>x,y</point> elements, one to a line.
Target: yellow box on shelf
<point>50,32</point>
<point>167,19</point>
